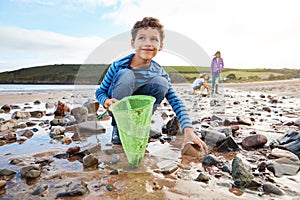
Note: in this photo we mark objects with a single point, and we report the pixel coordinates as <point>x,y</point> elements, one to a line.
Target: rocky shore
<point>52,146</point>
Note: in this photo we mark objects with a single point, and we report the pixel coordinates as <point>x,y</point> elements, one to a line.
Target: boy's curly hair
<point>146,23</point>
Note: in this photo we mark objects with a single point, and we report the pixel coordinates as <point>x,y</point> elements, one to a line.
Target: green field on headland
<point>93,74</point>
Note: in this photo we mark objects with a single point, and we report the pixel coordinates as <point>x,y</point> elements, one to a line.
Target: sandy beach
<point>270,109</point>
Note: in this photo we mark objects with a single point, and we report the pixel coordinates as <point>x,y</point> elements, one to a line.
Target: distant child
<point>217,65</point>
<point>138,74</point>
<point>201,84</point>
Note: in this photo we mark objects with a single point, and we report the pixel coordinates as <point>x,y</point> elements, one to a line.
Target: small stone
<point>66,140</point>
<point>6,172</point>
<point>2,183</point>
<point>114,172</point>
<point>74,189</point>
<point>115,159</point>
<point>37,102</point>
<point>73,150</point>
<point>33,173</point>
<point>262,167</point>
<point>244,121</point>
<point>6,108</point>
<point>267,109</point>
<point>202,178</point>
<point>49,105</point>
<point>39,189</point>
<point>191,149</point>
<point>254,141</point>
<point>80,114</point>
<point>228,145</point>
<point>15,161</point>
<point>281,153</point>
<point>210,160</point>
<point>241,176</point>
<point>27,133</point>
<point>272,189</point>
<point>90,160</point>
<point>37,114</point>
<point>21,115</point>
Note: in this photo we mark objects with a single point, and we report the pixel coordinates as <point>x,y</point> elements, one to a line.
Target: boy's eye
<point>155,39</point>
<point>141,38</point>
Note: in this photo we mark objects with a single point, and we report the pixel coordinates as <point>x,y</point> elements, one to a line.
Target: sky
<point>249,33</point>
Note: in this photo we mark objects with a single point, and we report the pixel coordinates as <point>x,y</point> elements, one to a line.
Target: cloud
<point>22,47</point>
<point>248,33</point>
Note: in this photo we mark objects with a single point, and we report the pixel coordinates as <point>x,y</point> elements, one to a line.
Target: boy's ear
<point>161,47</point>
<point>132,43</point>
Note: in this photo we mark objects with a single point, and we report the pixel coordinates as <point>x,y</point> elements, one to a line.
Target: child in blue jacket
<point>138,74</point>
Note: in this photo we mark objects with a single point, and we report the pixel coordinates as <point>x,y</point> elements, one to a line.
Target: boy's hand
<point>108,103</point>
<point>190,136</point>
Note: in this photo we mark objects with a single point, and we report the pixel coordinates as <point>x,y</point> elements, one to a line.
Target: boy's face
<point>147,43</point>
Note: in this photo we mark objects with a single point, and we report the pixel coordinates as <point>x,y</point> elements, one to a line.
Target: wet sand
<point>143,182</point>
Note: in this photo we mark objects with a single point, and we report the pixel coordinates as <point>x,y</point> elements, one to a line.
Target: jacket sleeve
<point>179,109</point>
<point>212,65</point>
<point>102,92</point>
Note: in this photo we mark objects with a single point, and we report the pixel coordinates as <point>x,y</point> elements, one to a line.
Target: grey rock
<point>212,137</point>
<point>202,178</point>
<point>80,114</point>
<point>272,189</point>
<point>21,115</point>
<point>241,176</point>
<point>6,108</point>
<point>6,172</point>
<point>15,161</point>
<point>26,169</point>
<point>115,159</point>
<point>228,145</point>
<point>90,160</point>
<point>254,141</point>
<point>33,173</point>
<point>283,166</point>
<point>2,183</point>
<point>39,189</point>
<point>210,160</point>
<point>27,133</point>
<point>74,189</point>
<point>92,106</point>
<point>49,105</point>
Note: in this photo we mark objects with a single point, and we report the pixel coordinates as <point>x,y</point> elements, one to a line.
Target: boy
<point>138,74</point>
<point>201,83</point>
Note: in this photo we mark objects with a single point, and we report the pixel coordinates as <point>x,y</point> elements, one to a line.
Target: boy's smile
<point>147,43</point>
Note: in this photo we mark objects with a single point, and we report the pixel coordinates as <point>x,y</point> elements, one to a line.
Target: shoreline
<point>53,95</point>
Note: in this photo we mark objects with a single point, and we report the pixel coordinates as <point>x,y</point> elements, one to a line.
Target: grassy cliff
<point>93,74</point>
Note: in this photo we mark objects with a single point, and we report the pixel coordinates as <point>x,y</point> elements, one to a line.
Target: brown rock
<point>27,133</point>
<point>2,184</point>
<point>61,109</point>
<point>73,150</point>
<point>254,141</point>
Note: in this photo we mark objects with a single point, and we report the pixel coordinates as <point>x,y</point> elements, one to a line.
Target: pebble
<point>241,176</point>
<point>115,159</point>
<point>90,160</point>
<point>2,183</point>
<point>210,160</point>
<point>272,189</point>
<point>74,189</point>
<point>202,178</point>
<point>6,172</point>
<point>254,141</point>
<point>39,189</point>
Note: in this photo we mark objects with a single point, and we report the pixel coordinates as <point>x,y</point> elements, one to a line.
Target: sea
<point>35,88</point>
